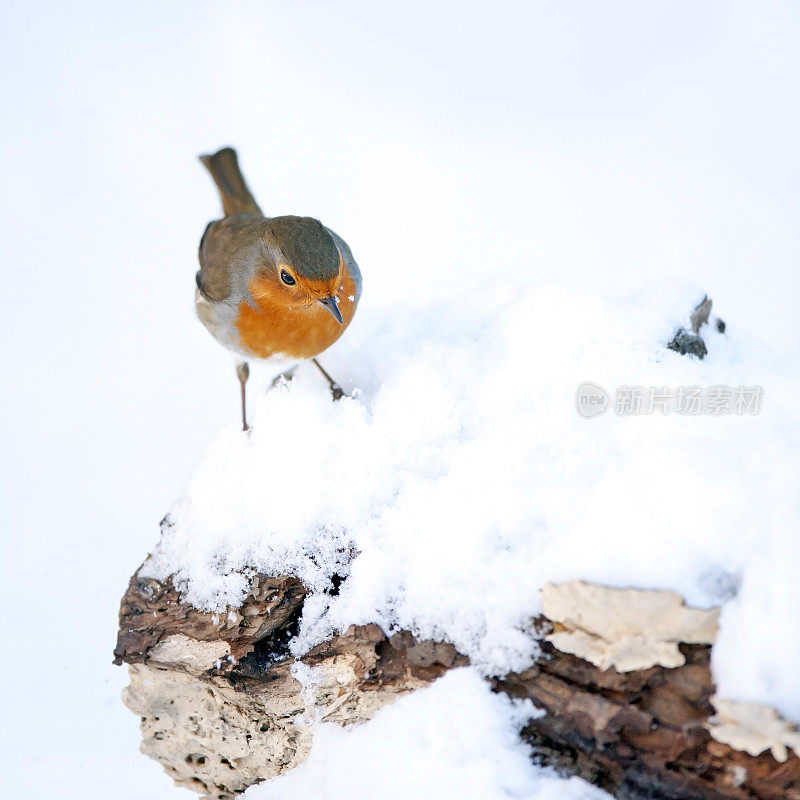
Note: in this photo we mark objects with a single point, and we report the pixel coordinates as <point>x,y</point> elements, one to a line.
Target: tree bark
<point>641,735</point>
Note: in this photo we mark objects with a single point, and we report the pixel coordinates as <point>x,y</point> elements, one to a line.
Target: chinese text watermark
<point>629,401</point>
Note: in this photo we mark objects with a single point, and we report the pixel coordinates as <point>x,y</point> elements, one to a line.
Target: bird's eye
<point>287,278</point>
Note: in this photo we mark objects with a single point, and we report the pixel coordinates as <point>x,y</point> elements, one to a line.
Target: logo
<point>591,400</point>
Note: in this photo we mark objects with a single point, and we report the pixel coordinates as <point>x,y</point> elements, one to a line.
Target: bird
<point>277,289</point>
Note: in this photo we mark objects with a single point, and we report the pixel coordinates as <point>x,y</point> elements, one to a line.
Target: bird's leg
<point>243,373</point>
<point>284,376</point>
<point>336,390</point>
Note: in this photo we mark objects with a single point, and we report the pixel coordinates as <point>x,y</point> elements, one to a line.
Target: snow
<point>583,145</point>
<point>454,739</point>
<point>461,479</point>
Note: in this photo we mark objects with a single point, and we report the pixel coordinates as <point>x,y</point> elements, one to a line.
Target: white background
<point>599,143</point>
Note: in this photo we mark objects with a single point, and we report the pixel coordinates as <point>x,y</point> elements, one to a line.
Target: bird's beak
<point>330,305</point>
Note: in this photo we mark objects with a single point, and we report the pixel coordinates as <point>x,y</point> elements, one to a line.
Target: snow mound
<point>461,479</point>
<point>454,739</point>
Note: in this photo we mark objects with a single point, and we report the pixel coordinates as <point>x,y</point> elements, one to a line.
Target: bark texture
<point>642,735</point>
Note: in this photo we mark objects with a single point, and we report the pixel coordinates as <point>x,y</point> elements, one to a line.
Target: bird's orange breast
<point>291,329</point>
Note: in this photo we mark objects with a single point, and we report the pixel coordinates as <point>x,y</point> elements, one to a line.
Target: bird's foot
<point>336,390</point>
<point>284,377</point>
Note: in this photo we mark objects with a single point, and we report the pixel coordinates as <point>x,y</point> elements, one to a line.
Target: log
<point>224,705</point>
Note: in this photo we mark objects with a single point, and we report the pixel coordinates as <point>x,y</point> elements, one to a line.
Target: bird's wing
<point>349,261</point>
<point>224,248</point>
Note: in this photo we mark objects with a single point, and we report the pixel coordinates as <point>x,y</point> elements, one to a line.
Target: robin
<point>279,289</point>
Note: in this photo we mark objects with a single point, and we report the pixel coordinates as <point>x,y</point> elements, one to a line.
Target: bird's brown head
<point>300,266</point>
<point>301,285</point>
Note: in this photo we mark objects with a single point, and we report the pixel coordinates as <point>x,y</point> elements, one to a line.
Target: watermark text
<point>592,400</point>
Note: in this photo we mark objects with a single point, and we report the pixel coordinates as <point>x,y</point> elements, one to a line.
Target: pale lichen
<point>628,629</point>
<point>753,728</point>
<point>183,651</point>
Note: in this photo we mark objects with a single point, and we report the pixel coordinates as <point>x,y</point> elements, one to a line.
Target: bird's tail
<point>224,168</point>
